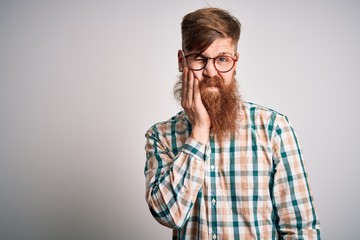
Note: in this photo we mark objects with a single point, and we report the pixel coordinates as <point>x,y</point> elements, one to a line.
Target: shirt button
<point>213,201</point>
<point>212,167</point>
<point>214,236</point>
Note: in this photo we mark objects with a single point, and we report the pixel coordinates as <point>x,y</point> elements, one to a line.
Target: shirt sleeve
<point>172,181</point>
<point>293,202</point>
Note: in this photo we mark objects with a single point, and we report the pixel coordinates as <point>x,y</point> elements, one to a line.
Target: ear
<point>181,60</point>
<point>237,57</point>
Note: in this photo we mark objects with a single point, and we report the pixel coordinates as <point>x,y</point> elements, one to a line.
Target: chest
<point>240,169</point>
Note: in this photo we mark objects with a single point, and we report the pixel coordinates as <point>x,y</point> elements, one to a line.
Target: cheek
<point>227,77</point>
<point>198,75</point>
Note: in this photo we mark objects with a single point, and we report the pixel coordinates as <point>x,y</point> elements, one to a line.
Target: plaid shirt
<point>252,186</point>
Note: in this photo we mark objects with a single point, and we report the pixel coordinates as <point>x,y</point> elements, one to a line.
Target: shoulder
<point>255,112</point>
<point>263,118</point>
<point>175,123</point>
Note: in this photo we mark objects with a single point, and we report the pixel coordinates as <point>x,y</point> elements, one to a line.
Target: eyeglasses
<point>222,63</point>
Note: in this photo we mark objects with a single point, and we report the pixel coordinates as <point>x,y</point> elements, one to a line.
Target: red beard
<point>223,105</point>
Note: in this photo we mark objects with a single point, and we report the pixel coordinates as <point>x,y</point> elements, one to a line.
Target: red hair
<point>200,28</point>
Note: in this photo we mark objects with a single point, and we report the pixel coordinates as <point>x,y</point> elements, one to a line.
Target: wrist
<point>200,134</point>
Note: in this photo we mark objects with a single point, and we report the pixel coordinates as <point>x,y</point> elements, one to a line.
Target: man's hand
<point>194,108</point>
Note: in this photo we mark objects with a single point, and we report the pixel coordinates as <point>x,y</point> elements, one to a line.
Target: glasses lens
<point>224,63</point>
<point>196,63</point>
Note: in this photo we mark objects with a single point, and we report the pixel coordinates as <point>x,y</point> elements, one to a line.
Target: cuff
<point>195,149</point>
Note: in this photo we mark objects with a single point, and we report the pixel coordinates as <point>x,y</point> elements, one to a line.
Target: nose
<point>210,70</point>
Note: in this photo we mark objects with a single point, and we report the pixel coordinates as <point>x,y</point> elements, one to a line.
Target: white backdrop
<point>81,82</point>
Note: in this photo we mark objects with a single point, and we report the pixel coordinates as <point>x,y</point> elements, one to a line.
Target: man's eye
<point>222,59</point>
<point>200,59</point>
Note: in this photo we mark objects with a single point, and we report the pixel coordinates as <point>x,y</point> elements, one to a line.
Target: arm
<point>172,182</point>
<point>296,216</point>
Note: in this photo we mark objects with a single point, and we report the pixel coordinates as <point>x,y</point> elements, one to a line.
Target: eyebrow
<point>219,54</point>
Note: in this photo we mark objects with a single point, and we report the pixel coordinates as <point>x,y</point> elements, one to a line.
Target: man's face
<point>219,92</point>
<point>220,47</point>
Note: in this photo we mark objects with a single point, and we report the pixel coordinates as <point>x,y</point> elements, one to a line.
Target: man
<point>224,168</point>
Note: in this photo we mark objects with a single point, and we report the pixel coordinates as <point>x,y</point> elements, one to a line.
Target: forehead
<point>220,46</point>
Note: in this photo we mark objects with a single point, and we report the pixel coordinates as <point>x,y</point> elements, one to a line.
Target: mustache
<point>215,81</point>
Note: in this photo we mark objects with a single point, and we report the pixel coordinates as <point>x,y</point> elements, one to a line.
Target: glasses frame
<point>207,60</point>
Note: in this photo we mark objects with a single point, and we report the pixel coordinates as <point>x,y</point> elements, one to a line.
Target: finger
<point>184,85</point>
<point>197,94</point>
<point>190,88</point>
